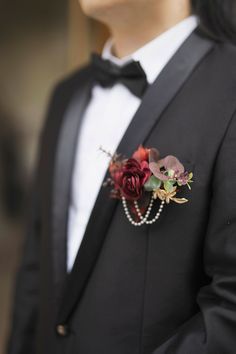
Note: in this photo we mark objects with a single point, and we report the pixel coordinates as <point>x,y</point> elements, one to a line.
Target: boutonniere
<point>140,181</point>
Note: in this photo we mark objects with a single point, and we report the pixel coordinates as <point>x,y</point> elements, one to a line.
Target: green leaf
<point>152,184</point>
<point>169,185</point>
<point>190,176</point>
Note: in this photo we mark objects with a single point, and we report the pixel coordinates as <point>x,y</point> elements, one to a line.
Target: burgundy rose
<point>131,178</point>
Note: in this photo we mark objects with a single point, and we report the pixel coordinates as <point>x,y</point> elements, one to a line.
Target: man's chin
<point>98,9</point>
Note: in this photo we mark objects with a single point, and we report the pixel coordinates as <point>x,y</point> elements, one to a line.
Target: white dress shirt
<point>105,121</point>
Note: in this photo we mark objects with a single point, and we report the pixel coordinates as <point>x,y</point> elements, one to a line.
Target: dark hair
<point>217,18</point>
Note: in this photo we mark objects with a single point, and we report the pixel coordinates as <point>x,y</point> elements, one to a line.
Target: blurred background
<point>41,42</point>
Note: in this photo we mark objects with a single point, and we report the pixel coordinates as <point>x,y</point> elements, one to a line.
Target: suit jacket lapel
<point>64,159</point>
<point>156,99</point>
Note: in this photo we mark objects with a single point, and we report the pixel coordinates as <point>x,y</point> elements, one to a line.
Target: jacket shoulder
<point>225,55</point>
<point>74,79</point>
<point>61,95</point>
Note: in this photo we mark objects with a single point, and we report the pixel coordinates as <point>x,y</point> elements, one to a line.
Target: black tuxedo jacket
<point>166,288</point>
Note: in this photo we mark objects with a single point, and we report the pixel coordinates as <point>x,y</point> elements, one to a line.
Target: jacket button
<point>62,330</point>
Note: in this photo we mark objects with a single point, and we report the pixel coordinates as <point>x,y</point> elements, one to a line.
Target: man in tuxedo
<point>92,283</point>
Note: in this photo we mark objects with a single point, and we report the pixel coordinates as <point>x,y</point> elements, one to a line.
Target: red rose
<point>142,154</point>
<point>131,179</point>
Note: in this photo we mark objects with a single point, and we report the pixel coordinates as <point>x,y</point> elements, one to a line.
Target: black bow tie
<point>130,75</point>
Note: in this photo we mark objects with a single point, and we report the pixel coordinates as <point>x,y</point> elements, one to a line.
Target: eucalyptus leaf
<point>152,184</point>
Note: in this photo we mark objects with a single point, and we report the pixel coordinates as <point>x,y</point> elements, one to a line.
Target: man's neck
<point>134,33</point>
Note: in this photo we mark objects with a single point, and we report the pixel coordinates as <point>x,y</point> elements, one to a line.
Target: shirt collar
<point>154,55</point>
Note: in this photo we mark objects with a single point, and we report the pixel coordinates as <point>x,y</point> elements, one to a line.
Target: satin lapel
<point>156,99</point>
<point>64,160</point>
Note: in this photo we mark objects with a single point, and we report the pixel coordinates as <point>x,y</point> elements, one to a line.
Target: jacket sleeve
<point>213,329</point>
<point>26,298</point>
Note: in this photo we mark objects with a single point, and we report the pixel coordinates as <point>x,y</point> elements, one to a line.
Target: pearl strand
<point>149,222</point>
<point>127,213</point>
<point>143,219</point>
